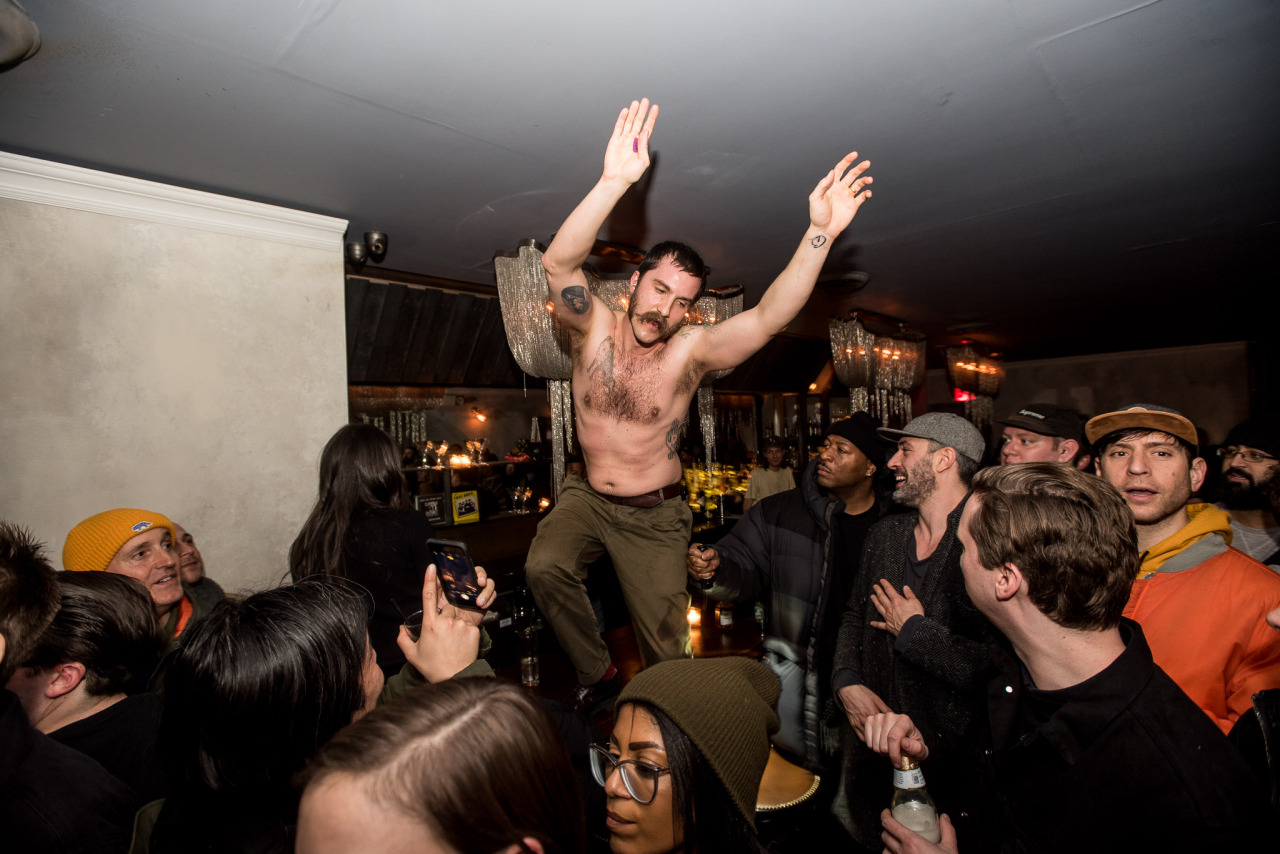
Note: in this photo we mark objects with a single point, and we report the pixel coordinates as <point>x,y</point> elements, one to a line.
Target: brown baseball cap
<point>1147,416</point>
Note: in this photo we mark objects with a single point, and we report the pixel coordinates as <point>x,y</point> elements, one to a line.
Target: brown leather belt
<point>648,499</point>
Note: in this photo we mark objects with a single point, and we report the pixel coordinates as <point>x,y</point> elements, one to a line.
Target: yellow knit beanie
<point>94,542</point>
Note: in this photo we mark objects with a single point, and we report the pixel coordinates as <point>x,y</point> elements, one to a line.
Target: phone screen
<point>457,572</point>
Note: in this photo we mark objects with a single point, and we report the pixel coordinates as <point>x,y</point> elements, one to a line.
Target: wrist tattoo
<point>817,240</point>
<point>575,297</point>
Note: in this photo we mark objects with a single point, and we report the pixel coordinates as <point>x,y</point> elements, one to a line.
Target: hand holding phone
<point>458,579</point>
<point>445,642</point>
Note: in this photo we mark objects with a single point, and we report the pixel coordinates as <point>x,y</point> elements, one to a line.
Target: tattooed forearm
<point>816,242</point>
<point>673,439</point>
<point>576,298</point>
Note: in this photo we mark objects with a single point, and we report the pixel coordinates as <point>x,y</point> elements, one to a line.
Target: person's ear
<point>871,469</point>
<point>1067,450</point>
<point>64,679</point>
<point>1,649</point>
<point>635,280</point>
<point>1199,468</point>
<point>944,459</point>
<point>1009,581</point>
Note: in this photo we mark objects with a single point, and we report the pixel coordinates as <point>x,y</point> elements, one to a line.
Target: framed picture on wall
<point>466,507</point>
<point>434,506</point>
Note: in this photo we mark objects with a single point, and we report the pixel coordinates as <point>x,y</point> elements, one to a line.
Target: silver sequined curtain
<point>537,340</point>
<point>713,307</point>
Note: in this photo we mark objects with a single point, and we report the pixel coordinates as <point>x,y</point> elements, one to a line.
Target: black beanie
<point>860,429</point>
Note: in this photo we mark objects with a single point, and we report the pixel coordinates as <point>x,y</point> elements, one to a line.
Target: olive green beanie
<point>726,706</point>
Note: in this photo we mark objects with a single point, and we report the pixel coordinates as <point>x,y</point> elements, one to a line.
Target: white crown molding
<point>45,182</point>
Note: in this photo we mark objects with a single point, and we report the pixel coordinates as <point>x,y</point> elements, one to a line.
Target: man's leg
<point>648,549</point>
<point>555,570</point>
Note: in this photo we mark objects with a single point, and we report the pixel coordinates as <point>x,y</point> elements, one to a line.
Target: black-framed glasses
<point>639,778</point>
<point>1250,455</point>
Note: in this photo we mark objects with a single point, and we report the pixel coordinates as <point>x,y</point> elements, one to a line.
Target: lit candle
<point>695,617</point>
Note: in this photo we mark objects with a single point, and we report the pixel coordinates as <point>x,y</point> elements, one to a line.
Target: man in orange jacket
<point>1201,603</point>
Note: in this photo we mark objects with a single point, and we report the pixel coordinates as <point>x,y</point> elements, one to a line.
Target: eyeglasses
<point>1250,455</point>
<point>640,779</point>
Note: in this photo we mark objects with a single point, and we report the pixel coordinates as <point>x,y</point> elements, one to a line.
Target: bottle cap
<point>909,764</point>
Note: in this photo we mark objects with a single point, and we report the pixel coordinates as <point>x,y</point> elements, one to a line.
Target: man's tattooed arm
<point>576,298</point>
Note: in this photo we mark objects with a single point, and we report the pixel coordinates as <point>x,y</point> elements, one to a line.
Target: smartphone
<point>457,573</point>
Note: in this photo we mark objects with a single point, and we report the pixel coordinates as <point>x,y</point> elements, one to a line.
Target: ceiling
<point>1051,178</point>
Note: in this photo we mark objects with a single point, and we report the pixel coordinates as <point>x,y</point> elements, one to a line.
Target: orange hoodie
<point>1202,606</point>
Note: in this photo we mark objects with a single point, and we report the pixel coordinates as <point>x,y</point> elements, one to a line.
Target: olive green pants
<point>647,546</point>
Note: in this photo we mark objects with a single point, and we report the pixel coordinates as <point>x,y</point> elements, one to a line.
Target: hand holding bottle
<point>900,839</point>
<point>892,734</point>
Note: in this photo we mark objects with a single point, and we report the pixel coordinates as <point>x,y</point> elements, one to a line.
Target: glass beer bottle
<point>911,804</point>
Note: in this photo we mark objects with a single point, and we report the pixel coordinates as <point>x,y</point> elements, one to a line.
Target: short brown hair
<point>476,760</point>
<point>28,595</point>
<point>1070,533</point>
<point>107,623</point>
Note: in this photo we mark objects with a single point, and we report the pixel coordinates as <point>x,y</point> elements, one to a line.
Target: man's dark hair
<point>683,256</point>
<point>260,684</point>
<point>965,467</point>
<point>1137,433</point>
<point>107,623</point>
<point>1070,533</point>
<point>28,595</point>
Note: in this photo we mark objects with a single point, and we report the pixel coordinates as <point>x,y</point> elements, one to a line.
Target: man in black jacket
<point>910,640</point>
<point>52,798</point>
<point>798,552</point>
<point>1085,744</point>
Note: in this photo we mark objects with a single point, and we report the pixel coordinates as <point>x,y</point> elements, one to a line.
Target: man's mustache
<point>654,317</point>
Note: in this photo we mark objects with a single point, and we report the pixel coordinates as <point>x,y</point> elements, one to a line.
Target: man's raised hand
<point>627,156</point>
<point>836,199</point>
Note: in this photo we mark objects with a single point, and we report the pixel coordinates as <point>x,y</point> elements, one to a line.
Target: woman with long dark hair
<point>363,529</point>
<point>257,688</point>
<point>473,766</point>
<point>683,767</point>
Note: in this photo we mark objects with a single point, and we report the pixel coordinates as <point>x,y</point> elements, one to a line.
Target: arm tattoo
<point>673,439</point>
<point>576,298</point>
<point>816,241</point>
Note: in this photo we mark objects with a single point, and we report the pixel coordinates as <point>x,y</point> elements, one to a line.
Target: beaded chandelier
<point>881,371</point>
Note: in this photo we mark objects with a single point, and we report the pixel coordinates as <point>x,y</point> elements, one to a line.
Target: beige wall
<point>170,350</point>
<point>1208,383</point>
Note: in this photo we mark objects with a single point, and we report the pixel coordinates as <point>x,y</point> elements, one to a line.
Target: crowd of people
<point>1107,550</point>
<point>1075,645</point>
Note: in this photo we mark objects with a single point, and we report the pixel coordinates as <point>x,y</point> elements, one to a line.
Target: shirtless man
<point>634,374</point>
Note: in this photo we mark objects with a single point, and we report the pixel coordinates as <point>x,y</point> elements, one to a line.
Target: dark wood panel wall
<point>414,335</point>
